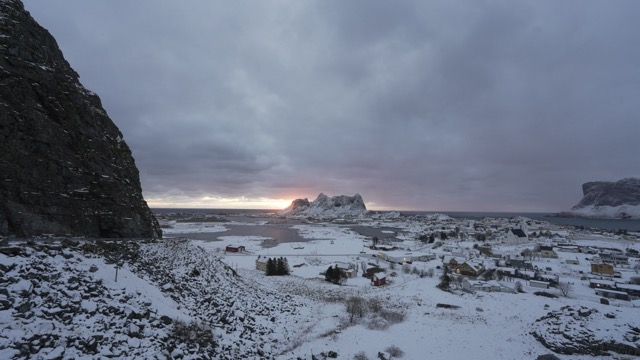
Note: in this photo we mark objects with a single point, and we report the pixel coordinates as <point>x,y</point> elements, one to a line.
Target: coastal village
<point>377,286</point>
<point>510,259</point>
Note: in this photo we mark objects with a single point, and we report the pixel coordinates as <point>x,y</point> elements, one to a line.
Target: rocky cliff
<point>64,166</point>
<point>325,206</point>
<point>619,199</point>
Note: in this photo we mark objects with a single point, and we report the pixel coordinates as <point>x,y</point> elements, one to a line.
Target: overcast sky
<point>429,105</point>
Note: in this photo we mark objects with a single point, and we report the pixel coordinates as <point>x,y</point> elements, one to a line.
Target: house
<point>468,268</point>
<point>485,250</point>
<point>568,248</point>
<point>587,250</point>
<point>487,286</point>
<point>515,236</point>
<point>261,264</point>
<point>632,289</point>
<point>613,294</point>
<point>452,261</point>
<point>539,284</point>
<point>552,279</point>
<point>547,252</point>
<point>506,271</point>
<point>400,259</point>
<point>572,261</point>
<point>378,281</point>
<point>616,259</point>
<point>235,249</point>
<point>602,284</point>
<point>602,269</point>
<point>519,263</point>
<point>347,269</point>
<point>372,271</point>
<point>458,251</point>
<point>425,257</point>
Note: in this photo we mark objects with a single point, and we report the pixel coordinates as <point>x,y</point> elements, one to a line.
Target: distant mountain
<point>605,199</point>
<point>64,166</point>
<point>325,206</point>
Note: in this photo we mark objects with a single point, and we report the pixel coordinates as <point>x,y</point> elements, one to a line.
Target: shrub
<point>394,351</point>
<point>406,268</point>
<point>518,287</point>
<point>193,333</point>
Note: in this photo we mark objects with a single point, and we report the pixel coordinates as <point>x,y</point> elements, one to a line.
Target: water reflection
<point>277,233</point>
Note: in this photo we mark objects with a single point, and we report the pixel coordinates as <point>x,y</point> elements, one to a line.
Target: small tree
<point>565,288</point>
<point>518,287</point>
<point>355,308</point>
<point>445,279</point>
<point>430,272</point>
<point>406,268</point>
<point>374,305</point>
<point>272,267</point>
<point>330,275</point>
<point>335,276</point>
<point>282,266</point>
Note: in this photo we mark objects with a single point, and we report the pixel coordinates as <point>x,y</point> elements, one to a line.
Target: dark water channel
<point>282,232</point>
<point>278,234</point>
<point>370,232</point>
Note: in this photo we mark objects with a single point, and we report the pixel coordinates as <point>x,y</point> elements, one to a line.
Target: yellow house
<point>602,269</point>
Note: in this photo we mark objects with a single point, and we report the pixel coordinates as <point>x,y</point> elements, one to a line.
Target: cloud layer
<point>439,105</point>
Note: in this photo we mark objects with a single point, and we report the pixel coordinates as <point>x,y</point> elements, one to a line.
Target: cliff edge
<point>64,166</point>
<point>606,199</point>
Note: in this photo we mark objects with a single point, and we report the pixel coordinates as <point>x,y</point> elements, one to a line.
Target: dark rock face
<point>606,193</point>
<point>64,167</point>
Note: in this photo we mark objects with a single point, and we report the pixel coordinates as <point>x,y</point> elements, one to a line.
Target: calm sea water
<point>607,224</point>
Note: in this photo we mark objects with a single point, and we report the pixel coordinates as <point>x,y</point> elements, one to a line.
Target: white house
<point>488,286</point>
<point>515,236</point>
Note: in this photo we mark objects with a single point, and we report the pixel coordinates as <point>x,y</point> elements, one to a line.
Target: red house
<point>376,281</point>
<point>234,249</point>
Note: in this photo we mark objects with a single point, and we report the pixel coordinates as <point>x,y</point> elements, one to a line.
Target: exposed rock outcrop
<point>325,206</point>
<point>606,199</point>
<point>585,331</point>
<point>173,300</point>
<point>64,166</point>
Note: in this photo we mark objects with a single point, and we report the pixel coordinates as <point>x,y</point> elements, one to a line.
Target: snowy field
<point>191,299</point>
<point>484,325</point>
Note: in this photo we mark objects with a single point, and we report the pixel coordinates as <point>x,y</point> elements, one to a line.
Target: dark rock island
<point>64,166</point>
<point>325,206</point>
<point>606,199</point>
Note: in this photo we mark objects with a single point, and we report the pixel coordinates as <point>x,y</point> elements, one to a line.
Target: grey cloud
<point>483,105</point>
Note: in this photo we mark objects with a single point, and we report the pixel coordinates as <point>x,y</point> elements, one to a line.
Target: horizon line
<point>377,210</point>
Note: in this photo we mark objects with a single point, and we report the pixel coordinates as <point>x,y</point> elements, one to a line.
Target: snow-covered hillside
<point>61,299</point>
